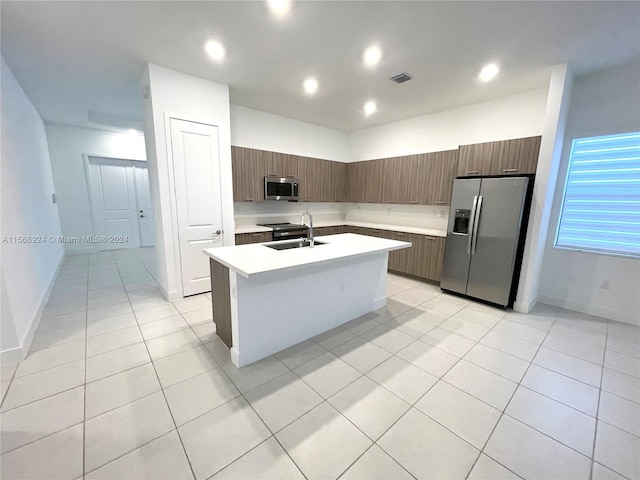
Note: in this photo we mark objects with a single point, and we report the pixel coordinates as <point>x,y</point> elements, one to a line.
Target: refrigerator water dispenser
<point>461,221</point>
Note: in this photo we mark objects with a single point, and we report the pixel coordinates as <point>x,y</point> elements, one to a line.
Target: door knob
<point>141,211</point>
<point>141,216</point>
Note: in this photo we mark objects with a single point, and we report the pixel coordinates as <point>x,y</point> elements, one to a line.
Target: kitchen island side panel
<point>276,311</point>
<point>221,302</point>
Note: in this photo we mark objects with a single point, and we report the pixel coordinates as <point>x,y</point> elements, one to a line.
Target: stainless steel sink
<point>289,245</point>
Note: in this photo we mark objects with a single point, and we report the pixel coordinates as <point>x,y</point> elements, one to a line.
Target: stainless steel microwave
<point>281,188</point>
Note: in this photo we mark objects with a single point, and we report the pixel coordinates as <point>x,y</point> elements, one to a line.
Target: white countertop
<point>256,258</point>
<point>381,226</point>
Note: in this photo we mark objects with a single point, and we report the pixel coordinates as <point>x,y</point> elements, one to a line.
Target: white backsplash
<point>248,213</point>
<point>422,216</point>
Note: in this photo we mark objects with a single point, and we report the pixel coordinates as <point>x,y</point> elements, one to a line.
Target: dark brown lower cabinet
<point>319,231</point>
<point>221,301</point>
<point>257,237</point>
<point>423,259</point>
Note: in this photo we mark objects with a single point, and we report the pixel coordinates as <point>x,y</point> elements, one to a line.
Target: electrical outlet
<point>605,284</point>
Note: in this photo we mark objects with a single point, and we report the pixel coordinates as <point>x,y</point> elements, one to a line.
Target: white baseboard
<point>171,296</point>
<point>620,316</point>
<point>17,354</point>
<point>524,306</point>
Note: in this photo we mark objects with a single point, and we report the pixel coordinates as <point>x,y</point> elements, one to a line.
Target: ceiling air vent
<point>402,77</point>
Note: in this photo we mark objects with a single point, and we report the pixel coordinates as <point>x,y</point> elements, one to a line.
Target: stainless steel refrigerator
<point>485,237</point>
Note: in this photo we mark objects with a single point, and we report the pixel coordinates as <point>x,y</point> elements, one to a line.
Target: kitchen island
<point>266,300</point>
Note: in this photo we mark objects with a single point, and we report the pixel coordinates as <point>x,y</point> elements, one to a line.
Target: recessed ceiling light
<point>372,56</point>
<point>370,108</point>
<point>214,49</point>
<point>310,86</point>
<point>279,7</point>
<point>488,72</point>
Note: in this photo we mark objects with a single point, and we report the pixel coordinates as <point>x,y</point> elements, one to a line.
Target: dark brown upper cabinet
<point>283,164</point>
<point>249,167</point>
<point>315,180</point>
<point>338,182</point>
<point>507,157</point>
<point>515,157</point>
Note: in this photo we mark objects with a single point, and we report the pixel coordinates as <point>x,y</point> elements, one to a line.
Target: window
<point>601,204</point>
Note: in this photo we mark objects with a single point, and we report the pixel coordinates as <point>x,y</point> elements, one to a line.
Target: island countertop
<point>256,258</point>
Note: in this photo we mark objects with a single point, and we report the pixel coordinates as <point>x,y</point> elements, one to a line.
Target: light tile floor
<point>120,383</point>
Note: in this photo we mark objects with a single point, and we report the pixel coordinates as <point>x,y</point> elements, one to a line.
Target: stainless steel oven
<point>284,231</point>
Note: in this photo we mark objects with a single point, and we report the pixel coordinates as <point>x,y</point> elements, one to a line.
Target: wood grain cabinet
<point>399,183</point>
<point>334,230</point>
<point>423,259</point>
<point>283,164</point>
<point>507,157</point>
<point>256,237</point>
<point>338,181</point>
<point>249,167</point>
<point>423,179</point>
<point>364,181</point>
<point>516,157</point>
<point>443,167</point>
<point>315,179</point>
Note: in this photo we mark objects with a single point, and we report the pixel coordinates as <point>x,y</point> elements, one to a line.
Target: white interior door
<point>144,208</point>
<point>196,166</point>
<point>113,203</point>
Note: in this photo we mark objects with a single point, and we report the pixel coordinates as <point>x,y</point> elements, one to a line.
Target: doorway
<point>120,203</point>
<point>196,169</point>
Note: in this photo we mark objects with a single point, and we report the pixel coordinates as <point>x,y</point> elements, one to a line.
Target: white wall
<point>549,158</point>
<point>27,269</point>
<point>601,103</point>
<point>265,131</point>
<point>191,98</point>
<point>67,144</point>
<point>509,117</point>
<point>515,116</point>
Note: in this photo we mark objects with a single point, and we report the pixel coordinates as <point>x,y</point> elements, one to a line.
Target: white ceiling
<point>73,58</point>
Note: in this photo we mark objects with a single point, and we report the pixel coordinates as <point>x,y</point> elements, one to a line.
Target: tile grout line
<point>84,387</point>
<point>164,396</point>
<point>290,369</point>
<point>502,412</point>
<point>242,394</point>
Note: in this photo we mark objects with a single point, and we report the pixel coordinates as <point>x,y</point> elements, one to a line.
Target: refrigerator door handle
<point>476,225</point>
<point>472,223</point>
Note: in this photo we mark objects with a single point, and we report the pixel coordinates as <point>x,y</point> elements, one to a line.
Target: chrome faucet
<point>306,212</point>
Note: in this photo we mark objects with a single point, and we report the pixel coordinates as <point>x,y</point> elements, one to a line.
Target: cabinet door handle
<point>413,201</point>
<point>400,234</point>
<point>390,201</point>
<point>440,202</point>
<point>324,200</point>
<point>248,199</point>
<point>431,238</point>
<point>473,171</point>
<point>507,170</point>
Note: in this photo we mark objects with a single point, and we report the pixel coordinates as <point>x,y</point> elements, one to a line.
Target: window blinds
<point>601,205</point>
